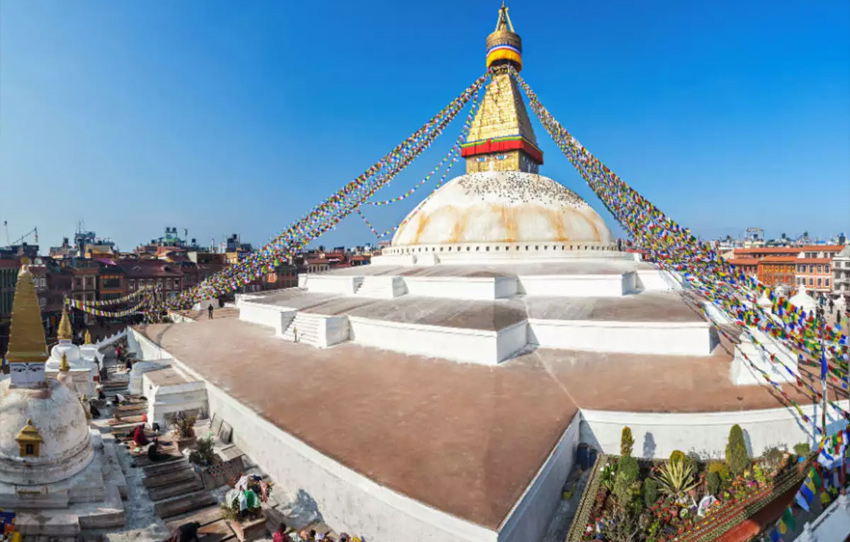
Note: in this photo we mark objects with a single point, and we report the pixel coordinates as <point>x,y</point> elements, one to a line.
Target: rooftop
<point>489,429</point>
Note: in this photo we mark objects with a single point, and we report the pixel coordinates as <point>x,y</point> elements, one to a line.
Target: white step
<point>317,330</point>
<point>382,287</point>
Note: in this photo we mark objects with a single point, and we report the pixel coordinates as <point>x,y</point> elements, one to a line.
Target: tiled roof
<point>779,259</point>
<point>743,261</point>
<point>148,269</point>
<point>813,260</point>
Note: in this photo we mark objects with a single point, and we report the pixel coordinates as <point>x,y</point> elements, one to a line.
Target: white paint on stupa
<point>803,300</point>
<point>499,215</point>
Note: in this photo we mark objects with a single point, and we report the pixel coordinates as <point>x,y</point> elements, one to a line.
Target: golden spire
<point>88,337</point>
<point>503,23</point>
<point>26,332</point>
<point>63,364</point>
<point>65,331</point>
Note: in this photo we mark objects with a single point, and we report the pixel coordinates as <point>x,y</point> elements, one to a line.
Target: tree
<point>626,442</point>
<point>736,451</point>
<point>627,479</point>
<point>650,492</point>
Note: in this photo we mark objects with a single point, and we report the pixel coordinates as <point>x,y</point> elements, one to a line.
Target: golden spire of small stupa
<point>87,338</point>
<point>65,331</point>
<point>63,364</point>
<point>26,332</point>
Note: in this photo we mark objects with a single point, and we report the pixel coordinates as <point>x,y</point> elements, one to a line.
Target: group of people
<point>286,534</point>
<point>188,532</point>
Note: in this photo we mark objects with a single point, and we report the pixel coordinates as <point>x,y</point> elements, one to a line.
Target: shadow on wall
<point>648,445</point>
<point>302,511</point>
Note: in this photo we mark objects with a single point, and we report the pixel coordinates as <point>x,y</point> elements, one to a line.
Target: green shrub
<point>628,469</point>
<point>720,468</point>
<point>204,454</point>
<point>627,478</point>
<point>802,449</point>
<point>713,481</point>
<point>626,442</point>
<point>677,456</point>
<point>736,451</point>
<point>650,492</point>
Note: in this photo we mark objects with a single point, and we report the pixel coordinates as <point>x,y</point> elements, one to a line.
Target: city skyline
<point>218,120</point>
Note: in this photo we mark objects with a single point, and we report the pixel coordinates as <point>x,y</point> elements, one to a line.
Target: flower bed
<point>683,499</point>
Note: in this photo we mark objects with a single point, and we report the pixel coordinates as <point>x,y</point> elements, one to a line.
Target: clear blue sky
<point>224,117</point>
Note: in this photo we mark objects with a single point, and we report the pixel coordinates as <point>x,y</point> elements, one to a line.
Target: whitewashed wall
<point>706,433</point>
<point>531,516</point>
<point>693,339</point>
<point>465,345</point>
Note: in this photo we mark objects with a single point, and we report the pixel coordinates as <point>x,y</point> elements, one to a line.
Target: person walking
<point>210,312</point>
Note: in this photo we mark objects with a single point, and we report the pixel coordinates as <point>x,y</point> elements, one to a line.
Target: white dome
<point>803,299</point>
<point>72,354</point>
<point>502,207</point>
<point>57,414</point>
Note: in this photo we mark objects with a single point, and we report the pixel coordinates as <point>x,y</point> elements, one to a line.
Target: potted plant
<point>183,430</point>
<point>242,508</point>
<point>204,454</point>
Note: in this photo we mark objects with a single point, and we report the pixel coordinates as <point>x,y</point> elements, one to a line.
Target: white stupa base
<point>88,500</point>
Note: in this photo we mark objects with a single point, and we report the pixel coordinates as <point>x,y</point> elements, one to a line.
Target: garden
<point>683,498</point>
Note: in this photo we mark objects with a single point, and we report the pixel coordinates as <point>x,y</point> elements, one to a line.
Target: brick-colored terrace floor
<point>463,438</point>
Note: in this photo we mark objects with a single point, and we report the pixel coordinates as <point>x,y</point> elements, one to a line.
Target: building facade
<point>841,272</point>
<point>814,273</point>
<point>777,270</point>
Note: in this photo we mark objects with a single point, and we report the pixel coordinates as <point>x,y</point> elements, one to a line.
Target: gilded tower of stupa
<point>501,137</point>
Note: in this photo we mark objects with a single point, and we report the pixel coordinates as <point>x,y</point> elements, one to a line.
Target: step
<point>218,531</point>
<point>175,490</point>
<point>382,287</point>
<point>185,503</point>
<point>171,466</point>
<point>168,478</point>
<point>202,516</point>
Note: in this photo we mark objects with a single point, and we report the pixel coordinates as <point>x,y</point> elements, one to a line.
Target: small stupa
<point>82,372</point>
<point>54,469</point>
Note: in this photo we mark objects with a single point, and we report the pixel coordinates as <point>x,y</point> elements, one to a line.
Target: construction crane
<point>754,234</point>
<point>22,238</point>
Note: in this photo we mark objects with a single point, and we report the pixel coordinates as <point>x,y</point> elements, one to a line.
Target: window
<point>826,282</point>
<point>811,281</point>
<point>819,282</point>
<point>132,285</point>
<point>29,449</point>
<point>820,269</point>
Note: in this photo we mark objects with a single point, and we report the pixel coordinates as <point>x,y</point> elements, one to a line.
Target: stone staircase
<point>308,328</point>
<point>382,287</point>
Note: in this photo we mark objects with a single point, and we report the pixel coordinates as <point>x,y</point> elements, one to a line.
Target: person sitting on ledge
<point>153,453</point>
<point>139,437</point>
<point>280,534</point>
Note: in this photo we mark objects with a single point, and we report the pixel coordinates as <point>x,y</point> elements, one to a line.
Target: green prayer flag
<point>788,518</point>
<point>815,478</point>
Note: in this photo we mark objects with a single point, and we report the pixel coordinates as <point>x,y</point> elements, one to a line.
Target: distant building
<point>814,273</point>
<point>841,272</point>
<point>152,273</point>
<point>14,252</point>
<point>748,266</point>
<point>777,270</point>
<point>66,251</point>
